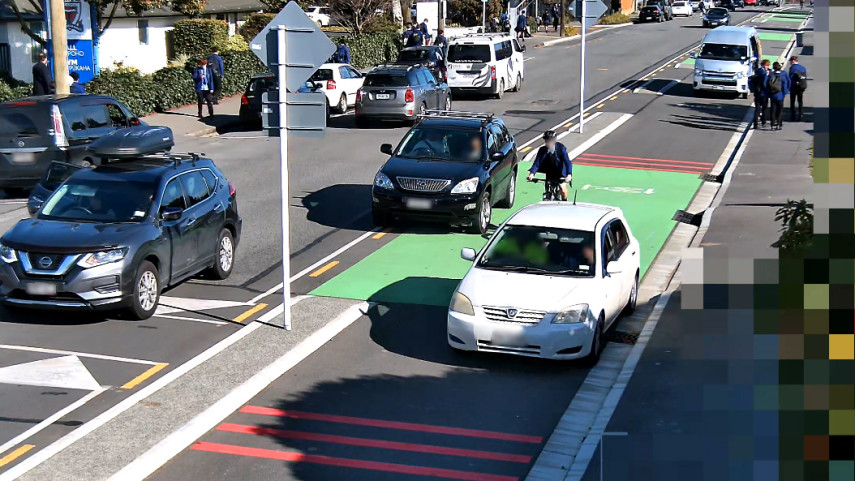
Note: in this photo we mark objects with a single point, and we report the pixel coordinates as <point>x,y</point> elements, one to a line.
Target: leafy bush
<point>796,218</point>
<point>372,48</point>
<point>9,92</point>
<point>199,36</point>
<point>236,43</point>
<point>570,31</point>
<point>255,23</point>
<point>176,87</point>
<point>383,24</point>
<point>615,19</point>
<point>139,92</point>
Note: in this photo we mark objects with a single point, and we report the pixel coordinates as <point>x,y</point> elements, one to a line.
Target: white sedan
<point>319,15</point>
<point>682,8</point>
<point>340,82</point>
<point>549,283</point>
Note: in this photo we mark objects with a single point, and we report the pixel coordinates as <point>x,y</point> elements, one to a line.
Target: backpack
<point>415,38</point>
<point>775,83</point>
<point>800,82</point>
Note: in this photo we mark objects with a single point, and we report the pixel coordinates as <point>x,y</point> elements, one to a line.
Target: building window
<point>142,26</point>
<point>35,49</point>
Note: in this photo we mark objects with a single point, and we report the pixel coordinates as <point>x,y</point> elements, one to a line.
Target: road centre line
<point>172,445</point>
<point>15,454</point>
<point>668,87</point>
<point>249,313</point>
<point>142,377</point>
<point>591,141</point>
<point>323,269</point>
<point>76,353</point>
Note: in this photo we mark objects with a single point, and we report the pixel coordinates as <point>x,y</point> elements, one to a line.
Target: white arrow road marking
<point>61,372</point>
<point>169,305</point>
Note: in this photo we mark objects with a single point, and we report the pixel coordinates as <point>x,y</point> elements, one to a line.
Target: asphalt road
<point>330,182</point>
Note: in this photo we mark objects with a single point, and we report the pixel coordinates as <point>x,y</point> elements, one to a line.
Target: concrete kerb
<point>598,29</point>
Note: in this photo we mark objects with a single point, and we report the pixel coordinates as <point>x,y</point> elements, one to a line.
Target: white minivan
<point>726,59</point>
<point>487,63</point>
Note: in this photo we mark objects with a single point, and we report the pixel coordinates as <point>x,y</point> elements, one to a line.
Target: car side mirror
<point>468,254</point>
<point>693,55</point>
<point>134,121</point>
<point>614,267</point>
<point>497,156</point>
<point>386,149</point>
<point>169,214</point>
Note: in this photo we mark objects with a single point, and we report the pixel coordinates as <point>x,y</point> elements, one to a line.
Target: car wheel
<point>518,86</point>
<point>661,19</point>
<point>501,91</point>
<point>633,297</point>
<point>224,258</point>
<point>342,104</point>
<point>448,102</point>
<point>596,343</point>
<point>146,292</point>
<point>381,218</point>
<point>481,221</point>
<point>744,95</point>
<point>511,193</point>
<point>422,109</point>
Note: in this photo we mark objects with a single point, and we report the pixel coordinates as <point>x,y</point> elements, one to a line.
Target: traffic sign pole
<point>282,72</point>
<point>582,71</point>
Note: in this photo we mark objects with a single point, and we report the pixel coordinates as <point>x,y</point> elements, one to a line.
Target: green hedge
<point>8,92</point>
<point>371,48</point>
<point>176,87</point>
<point>238,68</point>
<point>139,92</point>
<point>255,23</point>
<point>199,36</point>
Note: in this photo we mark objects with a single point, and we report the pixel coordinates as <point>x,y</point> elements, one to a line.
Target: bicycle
<point>551,189</point>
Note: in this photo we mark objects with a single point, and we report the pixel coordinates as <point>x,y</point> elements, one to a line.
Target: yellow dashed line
<point>142,377</point>
<point>660,70</point>
<point>15,454</point>
<point>246,315</point>
<point>525,149</point>
<point>324,269</point>
<point>601,106</point>
<point>613,98</point>
<point>586,114</point>
<point>380,235</point>
<point>603,69</point>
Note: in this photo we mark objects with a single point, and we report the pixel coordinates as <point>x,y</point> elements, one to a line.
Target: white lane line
<point>105,417</point>
<point>642,86</point>
<point>175,443</point>
<point>590,142</point>
<point>529,58</point>
<point>315,266</point>
<point>49,420</point>
<point>182,318</point>
<point>668,87</point>
<point>575,128</point>
<point>76,353</point>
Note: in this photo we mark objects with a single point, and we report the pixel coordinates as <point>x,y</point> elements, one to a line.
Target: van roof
<point>730,35</point>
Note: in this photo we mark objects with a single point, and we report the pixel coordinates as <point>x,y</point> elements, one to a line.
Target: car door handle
<point>190,222</point>
<point>218,207</point>
<point>633,253</point>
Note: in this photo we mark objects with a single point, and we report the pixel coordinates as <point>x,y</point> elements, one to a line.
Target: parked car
<point>651,13</point>
<point>755,2</point>
<point>250,101</point>
<point>716,17</point>
<point>739,3</point>
<point>550,282</point>
<point>38,130</point>
<point>451,167</point>
<point>422,56</point>
<point>340,84</point>
<point>113,236</point>
<point>730,5</point>
<point>485,63</point>
<point>665,6</point>
<point>400,92</point>
<point>319,15</point>
<point>696,5</point>
<point>682,9</point>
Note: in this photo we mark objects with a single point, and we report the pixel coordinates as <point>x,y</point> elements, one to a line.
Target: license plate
<point>41,289</point>
<point>419,204</point>
<point>648,18</point>
<point>384,96</point>
<point>719,87</point>
<point>23,157</point>
<point>505,339</point>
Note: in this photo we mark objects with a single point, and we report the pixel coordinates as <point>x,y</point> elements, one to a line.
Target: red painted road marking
<point>648,164</point>
<point>379,423</point>
<point>348,463</point>
<point>648,159</point>
<point>636,168</point>
<point>373,443</point>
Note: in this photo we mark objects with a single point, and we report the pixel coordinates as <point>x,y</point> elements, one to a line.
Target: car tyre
<point>743,95</point>
<point>224,257</point>
<point>518,85</point>
<point>484,215</point>
<point>448,102</point>
<point>501,91</point>
<point>381,218</point>
<point>510,193</point>
<point>342,104</point>
<point>146,293</point>
<point>632,302</point>
<point>596,343</point>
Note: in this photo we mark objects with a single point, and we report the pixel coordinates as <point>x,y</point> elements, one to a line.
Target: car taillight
<point>244,100</point>
<point>330,84</point>
<point>58,130</point>
<point>493,72</point>
<point>359,95</point>
<point>232,190</point>
<point>409,96</point>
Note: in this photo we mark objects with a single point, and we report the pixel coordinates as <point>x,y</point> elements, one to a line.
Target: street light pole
<point>282,70</point>
<point>582,71</point>
<point>563,14</point>
<point>59,46</point>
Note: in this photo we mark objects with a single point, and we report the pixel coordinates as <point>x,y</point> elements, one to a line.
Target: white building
<point>140,42</point>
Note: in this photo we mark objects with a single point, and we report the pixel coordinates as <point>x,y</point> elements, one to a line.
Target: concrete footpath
<point>184,121</point>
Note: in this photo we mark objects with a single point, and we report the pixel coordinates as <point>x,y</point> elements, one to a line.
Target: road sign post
<point>295,45</point>
<point>589,15</point>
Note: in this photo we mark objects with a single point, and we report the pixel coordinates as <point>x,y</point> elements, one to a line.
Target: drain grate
<point>623,337</point>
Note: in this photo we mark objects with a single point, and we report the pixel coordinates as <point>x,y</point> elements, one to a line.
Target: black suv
<point>451,167</point>
<point>38,130</point>
<point>664,5</point>
<point>114,235</point>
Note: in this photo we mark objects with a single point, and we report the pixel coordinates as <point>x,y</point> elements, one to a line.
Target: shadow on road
<point>50,318</point>
<point>340,206</point>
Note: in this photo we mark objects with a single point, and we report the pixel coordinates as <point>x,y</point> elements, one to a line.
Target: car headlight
<point>572,315</point>
<point>461,304</point>
<point>468,186</point>
<point>740,74</point>
<point>7,254</point>
<point>104,257</point>
<point>382,180</point>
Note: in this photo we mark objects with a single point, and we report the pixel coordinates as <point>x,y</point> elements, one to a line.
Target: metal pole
<point>582,72</point>
<point>483,16</point>
<point>59,46</point>
<point>283,186</point>
<point>562,13</point>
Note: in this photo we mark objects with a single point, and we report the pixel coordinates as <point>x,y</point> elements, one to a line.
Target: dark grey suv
<point>400,92</point>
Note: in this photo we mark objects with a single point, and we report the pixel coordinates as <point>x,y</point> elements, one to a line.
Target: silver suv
<point>400,92</point>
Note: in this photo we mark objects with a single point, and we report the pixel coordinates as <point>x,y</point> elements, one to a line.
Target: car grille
<point>488,346</point>
<point>40,261</point>
<point>422,185</point>
<point>711,81</point>
<point>503,314</point>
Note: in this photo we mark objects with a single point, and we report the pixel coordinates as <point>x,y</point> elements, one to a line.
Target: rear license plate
<point>23,157</point>
<point>419,204</point>
<point>384,96</point>
<point>648,18</point>
<point>41,289</point>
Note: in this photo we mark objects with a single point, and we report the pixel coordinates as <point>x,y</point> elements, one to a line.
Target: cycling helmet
<point>549,134</point>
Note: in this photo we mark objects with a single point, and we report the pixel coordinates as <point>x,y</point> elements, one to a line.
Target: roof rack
<point>457,114</point>
<point>489,35</point>
<point>399,66</point>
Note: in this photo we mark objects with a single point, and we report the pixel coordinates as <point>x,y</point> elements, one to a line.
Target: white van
<point>488,63</point>
<point>726,59</point>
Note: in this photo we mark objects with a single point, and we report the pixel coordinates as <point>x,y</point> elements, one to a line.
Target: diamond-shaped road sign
<point>307,47</point>
<point>593,11</point>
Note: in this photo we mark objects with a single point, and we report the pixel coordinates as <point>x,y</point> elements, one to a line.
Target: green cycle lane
<point>423,266</point>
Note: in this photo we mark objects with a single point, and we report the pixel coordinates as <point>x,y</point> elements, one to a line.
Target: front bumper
<point>739,85</point>
<point>454,209</point>
<point>545,340</point>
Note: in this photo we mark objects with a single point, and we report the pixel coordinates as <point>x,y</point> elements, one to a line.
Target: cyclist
<point>552,160</point>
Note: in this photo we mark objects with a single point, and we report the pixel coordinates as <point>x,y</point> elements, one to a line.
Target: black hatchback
<point>36,131</point>
<point>451,167</point>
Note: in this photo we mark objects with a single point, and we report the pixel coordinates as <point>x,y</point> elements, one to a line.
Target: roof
<point>56,98</point>
<point>26,9</point>
<point>729,35</point>
<point>212,7</point>
<point>458,123</point>
<point>563,215</point>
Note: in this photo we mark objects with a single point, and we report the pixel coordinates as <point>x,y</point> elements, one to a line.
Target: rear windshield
<point>720,51</point>
<point>413,55</point>
<point>650,9</point>
<point>56,174</point>
<point>385,80</point>
<point>22,121</point>
<point>679,4</point>
<point>262,84</point>
<point>322,74</point>
<point>469,53</point>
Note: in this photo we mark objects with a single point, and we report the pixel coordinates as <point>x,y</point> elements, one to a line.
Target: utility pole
<point>582,70</point>
<point>563,14</point>
<point>59,45</point>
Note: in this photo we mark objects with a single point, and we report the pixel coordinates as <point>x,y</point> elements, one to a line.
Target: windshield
<point>717,12</point>
<point>469,53</point>
<point>679,4</point>
<point>413,55</point>
<point>541,250</point>
<point>99,201</point>
<point>385,80</point>
<point>442,144</point>
<point>718,51</point>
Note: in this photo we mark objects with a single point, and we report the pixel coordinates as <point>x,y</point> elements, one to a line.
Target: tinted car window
<point>73,114</point>
<point>427,77</point>
<point>210,180</point>
<point>442,144</point>
<point>195,187</point>
<point>353,72</point>
<point>322,74</point>
<point>469,53</point>
<point>57,173</point>
<point>620,236</point>
<point>342,71</point>
<point>117,117</point>
<point>718,12</point>
<point>385,80</point>
<point>262,84</point>
<point>412,55</point>
<point>19,122</point>
<point>173,195</point>
<point>718,51</point>
<point>414,78</point>
<point>499,136</point>
<point>96,116</point>
<point>99,200</point>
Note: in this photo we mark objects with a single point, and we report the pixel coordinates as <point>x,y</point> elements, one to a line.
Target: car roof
<point>481,38</point>
<point>730,35</point>
<point>458,123</point>
<point>147,169</point>
<point>563,215</point>
<point>59,98</point>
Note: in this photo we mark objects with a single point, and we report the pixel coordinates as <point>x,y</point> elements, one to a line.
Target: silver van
<point>726,59</point>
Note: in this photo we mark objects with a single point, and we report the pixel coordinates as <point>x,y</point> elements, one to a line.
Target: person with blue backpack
<point>342,53</point>
<point>777,87</point>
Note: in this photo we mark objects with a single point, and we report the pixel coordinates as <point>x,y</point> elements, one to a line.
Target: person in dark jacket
<point>758,88</point>
<point>342,53</point>
<point>215,62</point>
<point>76,87</point>
<point>441,40</point>
<point>41,76</point>
<point>203,79</point>
<point>425,32</point>
<point>522,21</point>
<point>798,83</point>
<point>552,160</point>
<point>777,87</point>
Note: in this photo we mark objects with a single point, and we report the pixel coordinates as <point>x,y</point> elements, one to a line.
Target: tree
<point>356,13</point>
<point>276,5</point>
<point>106,11</point>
